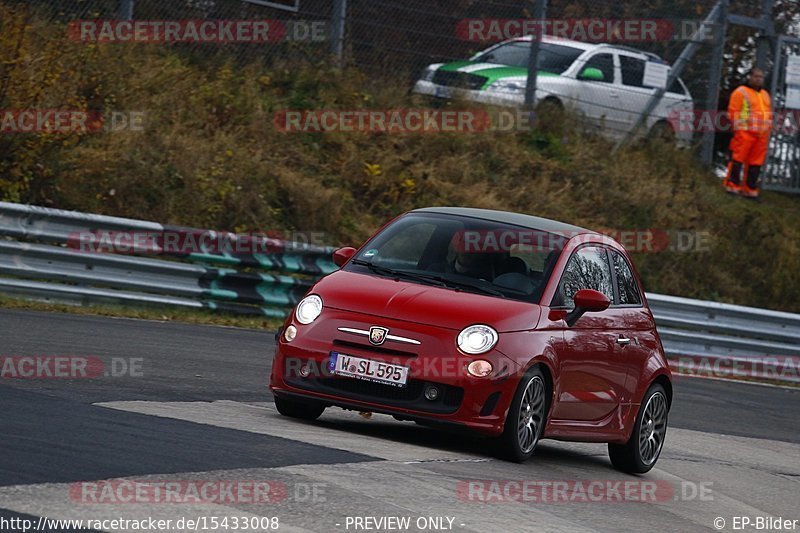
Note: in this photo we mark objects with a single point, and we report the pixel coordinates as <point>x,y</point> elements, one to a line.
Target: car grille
<point>462,80</point>
<point>366,347</point>
<point>361,387</point>
<point>410,397</point>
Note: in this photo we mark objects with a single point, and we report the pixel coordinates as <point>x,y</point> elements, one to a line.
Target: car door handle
<point>623,341</point>
<point>613,95</point>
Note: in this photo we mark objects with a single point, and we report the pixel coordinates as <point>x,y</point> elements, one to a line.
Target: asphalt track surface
<point>197,412</point>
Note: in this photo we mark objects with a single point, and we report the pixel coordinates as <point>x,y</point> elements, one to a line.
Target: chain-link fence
<point>291,27</point>
<point>607,60</point>
<point>782,171</point>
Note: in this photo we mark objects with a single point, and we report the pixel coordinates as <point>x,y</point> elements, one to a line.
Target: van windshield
<point>553,58</point>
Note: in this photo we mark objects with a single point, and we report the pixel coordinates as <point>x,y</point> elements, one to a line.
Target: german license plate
<point>368,370</point>
<point>444,92</point>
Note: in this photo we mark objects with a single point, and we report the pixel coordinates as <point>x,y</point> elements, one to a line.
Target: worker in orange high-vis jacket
<point>750,111</point>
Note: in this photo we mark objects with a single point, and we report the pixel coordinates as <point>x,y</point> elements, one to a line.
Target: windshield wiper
<point>434,279</point>
<point>463,285</point>
<point>398,273</point>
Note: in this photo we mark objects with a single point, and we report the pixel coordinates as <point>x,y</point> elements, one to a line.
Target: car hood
<point>413,302</point>
<point>491,71</point>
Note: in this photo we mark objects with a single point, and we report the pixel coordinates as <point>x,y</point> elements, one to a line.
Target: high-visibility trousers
<point>748,155</point>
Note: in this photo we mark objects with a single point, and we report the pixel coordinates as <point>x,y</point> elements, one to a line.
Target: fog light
<point>290,333</point>
<point>431,393</point>
<point>480,368</point>
<point>305,371</point>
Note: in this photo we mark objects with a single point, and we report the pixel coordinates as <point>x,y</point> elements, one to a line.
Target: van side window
<point>605,64</point>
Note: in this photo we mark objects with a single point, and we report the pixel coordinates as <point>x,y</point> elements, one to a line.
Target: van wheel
<point>662,133</point>
<point>550,111</point>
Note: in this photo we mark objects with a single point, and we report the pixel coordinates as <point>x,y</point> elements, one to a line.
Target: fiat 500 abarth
<point>510,325</point>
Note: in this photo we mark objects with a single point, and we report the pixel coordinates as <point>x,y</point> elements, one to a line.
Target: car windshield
<point>463,253</point>
<point>554,58</point>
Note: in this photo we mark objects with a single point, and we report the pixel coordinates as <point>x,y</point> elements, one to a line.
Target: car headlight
<point>308,309</point>
<point>508,86</point>
<point>477,339</point>
<point>430,71</point>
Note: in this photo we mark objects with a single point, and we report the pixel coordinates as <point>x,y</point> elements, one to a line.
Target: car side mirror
<point>592,74</point>
<point>343,255</point>
<point>587,301</point>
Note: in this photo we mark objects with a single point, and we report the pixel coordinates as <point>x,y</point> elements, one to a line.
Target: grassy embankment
<point>211,157</point>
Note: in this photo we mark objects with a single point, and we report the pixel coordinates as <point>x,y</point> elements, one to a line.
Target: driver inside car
<point>473,264</point>
<point>481,265</point>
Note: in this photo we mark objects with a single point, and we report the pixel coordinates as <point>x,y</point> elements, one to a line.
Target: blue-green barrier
<point>254,288</point>
<point>312,263</point>
<point>72,255</point>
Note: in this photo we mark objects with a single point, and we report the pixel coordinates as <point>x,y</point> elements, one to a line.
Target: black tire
<point>628,457</point>
<point>662,133</point>
<point>550,105</point>
<point>510,446</point>
<point>552,119</point>
<point>550,114</point>
<point>301,410</point>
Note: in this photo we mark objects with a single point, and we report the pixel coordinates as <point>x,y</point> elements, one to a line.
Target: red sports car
<point>510,325</point>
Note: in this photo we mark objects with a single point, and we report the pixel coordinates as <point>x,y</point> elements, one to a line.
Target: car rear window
<point>632,71</point>
<point>633,75</point>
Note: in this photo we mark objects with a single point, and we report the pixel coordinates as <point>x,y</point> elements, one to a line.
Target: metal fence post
<point>766,39</point>
<point>126,9</point>
<point>539,13</point>
<point>338,28</point>
<point>714,75</point>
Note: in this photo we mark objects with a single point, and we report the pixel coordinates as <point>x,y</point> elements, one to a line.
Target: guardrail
<point>269,278</point>
<point>723,340</point>
<point>42,257</point>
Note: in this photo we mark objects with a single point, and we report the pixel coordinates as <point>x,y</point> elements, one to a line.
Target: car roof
<point>558,40</point>
<point>590,46</point>
<point>506,217</point>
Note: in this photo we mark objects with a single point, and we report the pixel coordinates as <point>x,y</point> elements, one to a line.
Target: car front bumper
<point>428,88</point>
<point>301,371</point>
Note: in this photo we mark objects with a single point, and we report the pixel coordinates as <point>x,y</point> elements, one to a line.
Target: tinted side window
<point>632,71</point>
<point>626,282</point>
<point>587,269</point>
<point>604,63</point>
